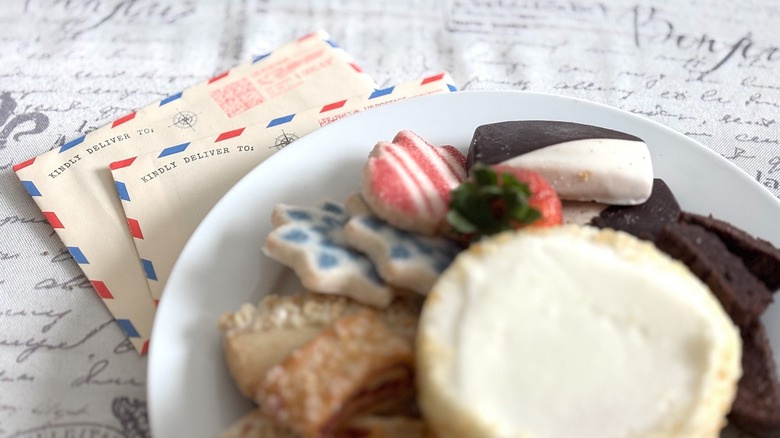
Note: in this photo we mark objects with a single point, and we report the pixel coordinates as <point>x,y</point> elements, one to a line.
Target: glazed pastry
<point>356,366</point>
<point>582,162</point>
<point>256,338</point>
<point>256,425</point>
<point>385,427</point>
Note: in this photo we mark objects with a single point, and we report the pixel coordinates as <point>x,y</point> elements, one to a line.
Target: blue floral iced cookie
<point>404,259</point>
<point>310,240</point>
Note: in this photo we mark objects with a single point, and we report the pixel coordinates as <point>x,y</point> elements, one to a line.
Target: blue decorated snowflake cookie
<point>403,259</point>
<point>310,240</point>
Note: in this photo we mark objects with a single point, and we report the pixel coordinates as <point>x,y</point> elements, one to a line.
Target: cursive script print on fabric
<point>15,126</point>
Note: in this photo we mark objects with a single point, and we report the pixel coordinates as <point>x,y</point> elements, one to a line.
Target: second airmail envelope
<point>74,188</point>
<point>167,193</point>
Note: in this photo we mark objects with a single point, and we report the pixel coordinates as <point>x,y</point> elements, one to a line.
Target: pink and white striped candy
<point>407,182</point>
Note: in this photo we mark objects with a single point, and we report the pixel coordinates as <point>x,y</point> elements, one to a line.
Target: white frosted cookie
<point>310,241</point>
<point>256,338</point>
<point>403,259</point>
<point>574,332</point>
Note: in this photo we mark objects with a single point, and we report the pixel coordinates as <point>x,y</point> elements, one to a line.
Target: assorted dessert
<point>603,336</point>
<point>543,285</point>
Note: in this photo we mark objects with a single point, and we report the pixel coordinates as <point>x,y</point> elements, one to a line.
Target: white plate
<point>189,390</point>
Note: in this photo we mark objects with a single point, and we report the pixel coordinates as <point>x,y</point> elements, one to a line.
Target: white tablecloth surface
<point>707,68</point>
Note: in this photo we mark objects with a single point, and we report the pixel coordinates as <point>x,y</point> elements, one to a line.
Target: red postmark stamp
<point>289,72</point>
<point>330,119</point>
<point>237,97</point>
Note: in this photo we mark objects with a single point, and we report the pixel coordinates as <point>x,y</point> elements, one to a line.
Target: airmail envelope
<point>189,178</point>
<point>74,189</point>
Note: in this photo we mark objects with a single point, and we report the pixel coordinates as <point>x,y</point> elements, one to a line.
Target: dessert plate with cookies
<point>478,264</point>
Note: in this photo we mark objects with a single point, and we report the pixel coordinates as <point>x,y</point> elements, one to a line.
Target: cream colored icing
<point>553,335</point>
<point>618,172</point>
<point>580,212</point>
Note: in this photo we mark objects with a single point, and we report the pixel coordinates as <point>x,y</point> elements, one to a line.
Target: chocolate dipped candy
<point>646,220</point>
<point>582,162</point>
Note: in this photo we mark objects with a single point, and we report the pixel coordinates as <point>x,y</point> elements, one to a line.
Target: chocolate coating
<point>756,408</point>
<point>760,256</point>
<point>646,220</point>
<point>497,142</point>
<point>741,294</point>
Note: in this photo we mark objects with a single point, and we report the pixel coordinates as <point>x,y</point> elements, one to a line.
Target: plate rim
<point>154,371</point>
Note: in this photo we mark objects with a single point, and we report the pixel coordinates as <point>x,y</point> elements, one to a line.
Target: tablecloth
<point>707,68</point>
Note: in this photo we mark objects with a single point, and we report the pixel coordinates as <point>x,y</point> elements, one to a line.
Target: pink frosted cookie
<point>407,182</point>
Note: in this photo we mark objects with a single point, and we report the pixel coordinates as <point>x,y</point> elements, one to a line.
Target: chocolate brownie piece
<point>741,294</point>
<point>497,142</point>
<point>760,256</point>
<point>646,220</point>
<point>756,409</point>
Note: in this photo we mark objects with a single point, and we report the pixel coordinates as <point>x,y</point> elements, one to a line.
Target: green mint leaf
<point>460,223</point>
<point>490,203</point>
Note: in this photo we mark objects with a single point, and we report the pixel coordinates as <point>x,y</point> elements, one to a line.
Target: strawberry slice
<point>500,198</point>
<point>543,195</point>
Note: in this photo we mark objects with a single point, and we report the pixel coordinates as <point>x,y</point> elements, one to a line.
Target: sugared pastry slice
<point>256,425</point>
<point>407,182</point>
<point>582,162</point>
<point>356,366</point>
<point>257,338</point>
<point>574,332</point>
<point>310,241</point>
<point>375,426</point>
